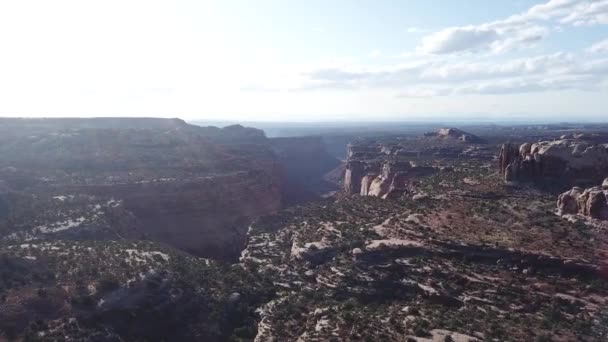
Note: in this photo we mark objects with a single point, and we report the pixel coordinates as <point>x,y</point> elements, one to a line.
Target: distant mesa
<point>454,134</point>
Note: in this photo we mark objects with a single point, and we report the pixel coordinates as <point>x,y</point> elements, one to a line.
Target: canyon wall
<point>196,188</point>
<point>304,164</point>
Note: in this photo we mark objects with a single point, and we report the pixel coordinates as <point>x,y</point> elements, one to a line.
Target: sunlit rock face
<point>392,179</point>
<point>566,162</point>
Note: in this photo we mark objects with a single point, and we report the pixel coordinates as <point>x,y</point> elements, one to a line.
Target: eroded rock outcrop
<point>564,162</point>
<point>393,179</point>
<point>383,179</point>
<point>387,167</point>
<point>590,202</point>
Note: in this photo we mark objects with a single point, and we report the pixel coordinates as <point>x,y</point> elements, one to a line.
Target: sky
<point>314,60</point>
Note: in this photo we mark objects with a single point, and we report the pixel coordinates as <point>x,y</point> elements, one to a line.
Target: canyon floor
<point>422,239</point>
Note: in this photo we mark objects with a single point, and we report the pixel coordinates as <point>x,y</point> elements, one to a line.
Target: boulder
<point>589,202</point>
<point>567,202</point>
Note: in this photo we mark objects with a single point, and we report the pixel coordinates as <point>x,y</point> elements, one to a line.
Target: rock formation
<point>392,179</point>
<point>565,162</point>
<point>590,202</point>
<point>383,175</point>
<point>387,167</point>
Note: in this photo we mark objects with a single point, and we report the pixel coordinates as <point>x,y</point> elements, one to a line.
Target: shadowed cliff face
<point>305,162</point>
<point>196,188</point>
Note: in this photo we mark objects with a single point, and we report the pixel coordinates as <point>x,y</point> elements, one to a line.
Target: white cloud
<point>552,9</point>
<point>559,71</point>
<point>599,47</point>
<point>519,30</point>
<point>456,39</point>
<point>589,13</point>
<point>464,71</point>
<point>575,12</point>
<point>495,36</point>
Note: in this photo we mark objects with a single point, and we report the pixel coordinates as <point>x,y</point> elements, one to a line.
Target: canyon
<point>129,229</point>
<point>194,188</point>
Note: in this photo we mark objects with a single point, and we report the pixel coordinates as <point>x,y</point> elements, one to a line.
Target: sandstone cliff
<point>566,162</point>
<point>393,179</point>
